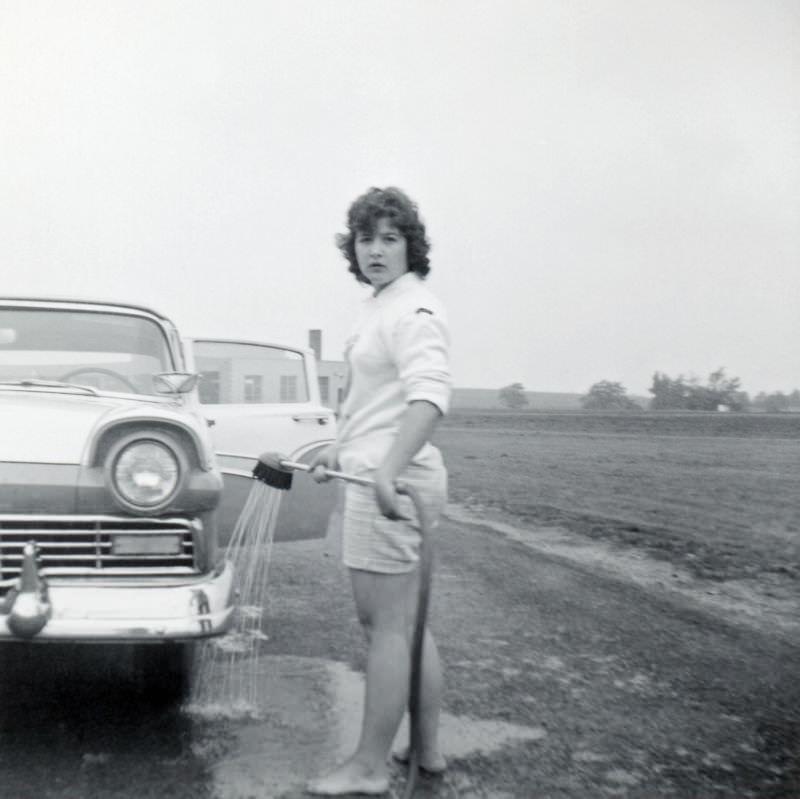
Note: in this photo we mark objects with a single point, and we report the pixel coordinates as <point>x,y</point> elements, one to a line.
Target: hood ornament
<point>30,604</point>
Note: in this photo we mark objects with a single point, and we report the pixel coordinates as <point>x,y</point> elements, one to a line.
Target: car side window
<point>233,373</point>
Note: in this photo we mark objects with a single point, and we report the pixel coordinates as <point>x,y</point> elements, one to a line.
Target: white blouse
<point>397,352</point>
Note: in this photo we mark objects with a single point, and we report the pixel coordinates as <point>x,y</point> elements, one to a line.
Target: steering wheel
<point>69,377</point>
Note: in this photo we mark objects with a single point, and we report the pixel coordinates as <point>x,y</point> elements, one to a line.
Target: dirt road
<point>565,681</point>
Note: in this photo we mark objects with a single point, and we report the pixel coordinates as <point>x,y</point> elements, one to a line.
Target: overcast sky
<point>611,187</point>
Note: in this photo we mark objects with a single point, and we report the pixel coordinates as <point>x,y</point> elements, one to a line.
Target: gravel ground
<point>638,693</point>
<point>564,681</point>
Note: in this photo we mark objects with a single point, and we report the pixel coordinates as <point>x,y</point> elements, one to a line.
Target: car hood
<point>48,427</point>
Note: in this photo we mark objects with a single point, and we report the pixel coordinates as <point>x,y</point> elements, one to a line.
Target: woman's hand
<point>324,460</point>
<point>416,427</point>
<point>386,495</point>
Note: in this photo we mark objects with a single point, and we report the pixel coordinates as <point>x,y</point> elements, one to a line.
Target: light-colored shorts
<point>374,543</point>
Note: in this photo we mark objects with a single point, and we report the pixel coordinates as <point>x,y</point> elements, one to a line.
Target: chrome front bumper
<point>179,608</point>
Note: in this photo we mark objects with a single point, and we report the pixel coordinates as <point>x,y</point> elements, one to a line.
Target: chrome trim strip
<point>16,532</point>
<point>237,473</point>
<point>99,518</point>
<point>56,544</point>
<point>113,571</point>
<point>44,557</point>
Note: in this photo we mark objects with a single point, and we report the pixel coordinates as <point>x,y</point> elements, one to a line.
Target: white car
<point>125,459</point>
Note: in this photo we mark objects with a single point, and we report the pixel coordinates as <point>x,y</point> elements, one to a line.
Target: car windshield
<point>107,351</point>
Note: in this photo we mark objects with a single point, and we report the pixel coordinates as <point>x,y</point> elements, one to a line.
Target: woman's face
<point>381,254</point>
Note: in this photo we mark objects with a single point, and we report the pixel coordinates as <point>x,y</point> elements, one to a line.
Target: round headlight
<point>146,473</point>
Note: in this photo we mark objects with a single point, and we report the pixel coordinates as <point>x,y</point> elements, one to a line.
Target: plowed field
<point>718,494</point>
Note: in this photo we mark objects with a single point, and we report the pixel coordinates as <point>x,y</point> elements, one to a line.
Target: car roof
<point>283,345</point>
<point>94,305</point>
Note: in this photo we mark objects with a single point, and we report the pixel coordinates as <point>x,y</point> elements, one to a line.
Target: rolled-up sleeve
<point>421,344</point>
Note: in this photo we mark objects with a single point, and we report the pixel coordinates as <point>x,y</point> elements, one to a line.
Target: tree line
<point>718,392</point>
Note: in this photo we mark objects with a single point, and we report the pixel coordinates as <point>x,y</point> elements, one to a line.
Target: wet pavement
<point>309,721</point>
<point>78,723</point>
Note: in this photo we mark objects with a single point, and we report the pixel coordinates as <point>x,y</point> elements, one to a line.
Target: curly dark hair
<point>393,204</point>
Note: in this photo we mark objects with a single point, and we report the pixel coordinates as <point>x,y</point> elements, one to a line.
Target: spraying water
<point>226,679</point>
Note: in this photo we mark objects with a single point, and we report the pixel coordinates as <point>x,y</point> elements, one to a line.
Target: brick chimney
<point>315,342</point>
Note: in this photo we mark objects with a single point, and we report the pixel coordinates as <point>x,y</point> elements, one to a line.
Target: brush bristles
<point>274,477</point>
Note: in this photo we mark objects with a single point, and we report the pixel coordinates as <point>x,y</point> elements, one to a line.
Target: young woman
<point>398,389</point>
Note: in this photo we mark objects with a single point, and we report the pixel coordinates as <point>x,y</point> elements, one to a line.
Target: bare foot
<point>349,778</point>
<point>432,762</point>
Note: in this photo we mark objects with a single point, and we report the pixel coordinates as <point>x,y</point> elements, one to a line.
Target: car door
<point>263,397</point>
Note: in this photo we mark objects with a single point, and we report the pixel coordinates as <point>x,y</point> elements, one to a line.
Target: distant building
<point>330,374</point>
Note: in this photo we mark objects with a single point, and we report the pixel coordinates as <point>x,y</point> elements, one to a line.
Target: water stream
<point>225,681</point>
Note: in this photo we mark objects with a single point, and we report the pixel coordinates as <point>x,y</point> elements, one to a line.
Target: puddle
<point>460,735</point>
<point>308,720</point>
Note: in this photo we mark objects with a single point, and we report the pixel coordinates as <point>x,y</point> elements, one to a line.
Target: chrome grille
<point>83,545</point>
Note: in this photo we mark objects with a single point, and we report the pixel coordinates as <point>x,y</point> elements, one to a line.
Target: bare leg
<point>385,605</point>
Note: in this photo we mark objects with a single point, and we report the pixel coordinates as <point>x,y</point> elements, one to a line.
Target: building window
<point>208,388</point>
<point>324,388</point>
<point>288,388</point>
<point>253,388</point>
